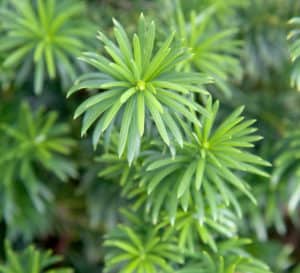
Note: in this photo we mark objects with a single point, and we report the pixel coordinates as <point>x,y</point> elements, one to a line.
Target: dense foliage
<point>139,141</point>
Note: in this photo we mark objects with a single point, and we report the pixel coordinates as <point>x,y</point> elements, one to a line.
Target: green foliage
<point>31,260</point>
<point>270,213</point>
<point>281,197</point>
<point>215,50</point>
<point>118,170</point>
<point>204,169</point>
<point>287,170</point>
<point>147,248</point>
<point>188,172</point>
<point>295,51</point>
<point>44,36</point>
<point>31,146</point>
<point>194,231</point>
<point>193,227</point>
<point>143,248</point>
<point>102,199</point>
<point>230,258</point>
<point>262,24</point>
<point>276,255</point>
<point>138,79</point>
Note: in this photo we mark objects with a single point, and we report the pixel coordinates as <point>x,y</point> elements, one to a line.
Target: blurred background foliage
<point>57,193</point>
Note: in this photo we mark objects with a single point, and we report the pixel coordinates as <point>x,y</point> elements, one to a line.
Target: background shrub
<point>149,136</point>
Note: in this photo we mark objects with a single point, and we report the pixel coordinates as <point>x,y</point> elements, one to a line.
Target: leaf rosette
<point>136,83</point>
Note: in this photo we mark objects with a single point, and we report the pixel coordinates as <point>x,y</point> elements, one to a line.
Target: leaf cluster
<point>215,49</point>
<point>33,145</point>
<point>135,83</point>
<point>31,260</point>
<point>143,248</point>
<point>44,36</point>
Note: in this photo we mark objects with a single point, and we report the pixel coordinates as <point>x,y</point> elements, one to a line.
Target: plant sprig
<point>137,83</point>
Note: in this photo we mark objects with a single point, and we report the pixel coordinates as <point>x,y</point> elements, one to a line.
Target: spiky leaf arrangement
<point>31,260</point>
<point>266,214</point>
<point>206,169</point>
<point>215,50</point>
<point>32,146</point>
<point>45,36</point>
<point>286,174</point>
<point>136,82</point>
<point>143,248</point>
<point>193,227</point>
<point>188,224</point>
<point>116,168</point>
<point>294,36</point>
<point>260,26</point>
<point>194,231</point>
<point>231,257</point>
